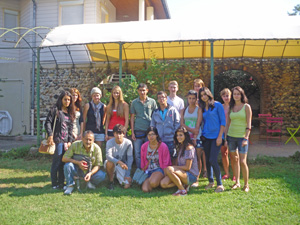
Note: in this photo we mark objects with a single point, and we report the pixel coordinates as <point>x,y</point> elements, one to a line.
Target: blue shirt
<point>213,120</point>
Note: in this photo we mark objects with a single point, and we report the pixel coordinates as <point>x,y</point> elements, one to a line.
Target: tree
<point>296,11</point>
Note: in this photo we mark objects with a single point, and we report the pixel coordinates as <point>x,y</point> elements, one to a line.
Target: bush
<point>15,153</point>
<point>296,157</point>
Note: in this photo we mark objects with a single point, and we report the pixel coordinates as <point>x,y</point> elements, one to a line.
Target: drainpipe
<point>33,71</point>
<point>212,72</point>
<point>141,10</point>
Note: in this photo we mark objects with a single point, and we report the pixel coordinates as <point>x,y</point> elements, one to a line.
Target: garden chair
<point>263,123</point>
<point>290,129</point>
<point>274,130</point>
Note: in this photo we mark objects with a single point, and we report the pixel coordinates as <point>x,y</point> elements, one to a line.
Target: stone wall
<point>278,80</point>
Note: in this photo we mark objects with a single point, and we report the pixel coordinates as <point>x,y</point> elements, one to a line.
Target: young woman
<point>62,136</point>
<point>186,171</point>
<point>226,96</point>
<point>78,122</point>
<point>190,119</point>
<point>117,112</point>
<point>155,157</point>
<point>94,116</point>
<point>239,127</point>
<point>198,83</point>
<point>213,128</point>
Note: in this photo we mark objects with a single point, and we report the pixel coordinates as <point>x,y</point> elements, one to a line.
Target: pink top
<point>163,154</point>
<point>115,119</point>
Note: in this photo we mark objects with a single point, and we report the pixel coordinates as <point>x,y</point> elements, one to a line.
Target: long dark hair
<point>77,104</point>
<point>155,131</point>
<point>71,110</point>
<point>187,140</point>
<point>211,101</point>
<point>244,98</point>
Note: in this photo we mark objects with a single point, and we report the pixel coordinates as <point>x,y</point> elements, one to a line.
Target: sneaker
<point>111,186</point>
<point>90,185</point>
<point>234,179</point>
<point>194,185</point>
<point>69,190</point>
<point>209,186</point>
<point>219,189</point>
<point>225,177</point>
<point>180,193</point>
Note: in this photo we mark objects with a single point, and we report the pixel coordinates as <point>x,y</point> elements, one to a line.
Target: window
<point>11,20</point>
<point>71,12</point>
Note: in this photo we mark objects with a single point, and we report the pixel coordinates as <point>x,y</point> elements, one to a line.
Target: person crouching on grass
<point>119,158</point>
<point>155,157</point>
<point>186,171</point>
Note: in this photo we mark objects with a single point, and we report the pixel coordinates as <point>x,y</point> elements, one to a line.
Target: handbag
<point>140,175</point>
<point>45,148</point>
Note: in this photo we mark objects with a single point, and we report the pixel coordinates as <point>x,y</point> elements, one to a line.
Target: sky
<point>236,9</point>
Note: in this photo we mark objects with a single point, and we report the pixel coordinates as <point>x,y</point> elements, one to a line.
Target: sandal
<point>246,188</point>
<point>209,186</point>
<point>225,177</point>
<point>235,186</point>
<point>219,189</point>
<point>205,174</point>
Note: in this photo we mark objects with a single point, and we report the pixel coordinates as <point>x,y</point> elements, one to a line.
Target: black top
<point>91,120</point>
<point>63,127</point>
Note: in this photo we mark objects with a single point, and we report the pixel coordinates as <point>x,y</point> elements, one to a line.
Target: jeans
<point>236,143</point>
<point>211,152</point>
<point>171,148</point>
<point>57,167</point>
<point>137,144</point>
<point>70,171</point>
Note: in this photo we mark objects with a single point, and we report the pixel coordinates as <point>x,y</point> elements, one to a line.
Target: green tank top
<point>238,123</point>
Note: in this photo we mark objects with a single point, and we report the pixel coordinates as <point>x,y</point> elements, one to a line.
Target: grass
<point>27,198</point>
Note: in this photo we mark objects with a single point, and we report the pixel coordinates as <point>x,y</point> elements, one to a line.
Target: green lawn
<point>27,198</point>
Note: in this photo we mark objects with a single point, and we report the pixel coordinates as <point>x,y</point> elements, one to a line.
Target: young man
<point>167,120</point>
<point>140,117</point>
<point>119,158</point>
<point>173,99</point>
<point>83,158</point>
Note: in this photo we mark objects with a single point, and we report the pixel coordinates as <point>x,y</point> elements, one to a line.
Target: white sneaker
<point>90,185</point>
<point>69,190</point>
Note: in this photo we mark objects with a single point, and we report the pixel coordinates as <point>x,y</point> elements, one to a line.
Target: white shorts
<point>120,173</point>
<point>99,137</point>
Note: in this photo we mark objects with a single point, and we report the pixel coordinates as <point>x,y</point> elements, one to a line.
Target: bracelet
<point>245,139</point>
<point>248,128</point>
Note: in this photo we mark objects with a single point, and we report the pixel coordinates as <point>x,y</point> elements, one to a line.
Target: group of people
<point>170,142</point>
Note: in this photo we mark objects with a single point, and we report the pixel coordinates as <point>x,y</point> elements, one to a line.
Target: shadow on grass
<point>24,180</point>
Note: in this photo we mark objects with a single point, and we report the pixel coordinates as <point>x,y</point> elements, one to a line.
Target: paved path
<point>258,147</point>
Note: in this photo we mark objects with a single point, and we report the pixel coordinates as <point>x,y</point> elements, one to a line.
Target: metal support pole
<point>120,64</point>
<point>38,97</point>
<point>212,67</point>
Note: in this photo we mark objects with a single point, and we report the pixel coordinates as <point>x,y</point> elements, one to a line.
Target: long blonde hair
<point>111,104</point>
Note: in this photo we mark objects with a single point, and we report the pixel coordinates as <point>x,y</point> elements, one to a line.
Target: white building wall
<point>7,55</point>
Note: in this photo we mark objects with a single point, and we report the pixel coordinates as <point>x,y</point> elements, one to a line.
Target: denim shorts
<point>236,143</point>
<point>171,148</point>
<point>155,170</point>
<point>190,178</point>
<point>99,137</point>
<point>199,144</point>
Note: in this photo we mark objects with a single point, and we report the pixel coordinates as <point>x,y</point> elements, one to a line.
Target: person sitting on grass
<point>186,171</point>
<point>83,157</point>
<point>119,158</point>
<point>155,157</point>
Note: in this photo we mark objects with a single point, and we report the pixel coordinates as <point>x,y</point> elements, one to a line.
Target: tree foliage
<point>232,78</point>
<point>296,11</point>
